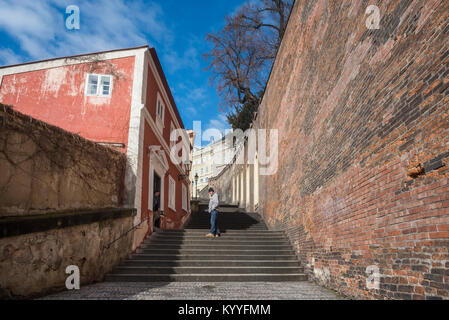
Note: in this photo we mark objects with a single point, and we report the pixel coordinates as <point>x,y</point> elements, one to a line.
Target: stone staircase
<point>246,252</point>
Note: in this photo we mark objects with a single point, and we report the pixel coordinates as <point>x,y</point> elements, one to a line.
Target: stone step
<point>229,217</point>
<point>220,241</point>
<point>227,232</point>
<point>238,226</point>
<point>206,278</point>
<point>224,236</point>
<point>212,263</point>
<point>229,222</point>
<point>212,257</point>
<point>206,270</point>
<point>227,228</point>
<point>229,214</point>
<point>214,245</point>
<point>210,251</point>
<point>246,251</point>
<point>227,205</point>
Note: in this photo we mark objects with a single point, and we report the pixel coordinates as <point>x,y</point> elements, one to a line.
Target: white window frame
<point>160,123</point>
<point>184,197</point>
<point>99,92</point>
<point>172,128</point>
<point>171,193</point>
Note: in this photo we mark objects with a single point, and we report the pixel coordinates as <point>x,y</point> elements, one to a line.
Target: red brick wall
<point>363,120</point>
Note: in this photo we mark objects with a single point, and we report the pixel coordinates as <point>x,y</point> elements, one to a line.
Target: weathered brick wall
<point>44,168</point>
<point>363,120</point>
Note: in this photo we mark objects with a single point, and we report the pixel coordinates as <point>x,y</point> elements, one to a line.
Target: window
<point>92,85</point>
<point>160,108</point>
<point>172,128</point>
<point>105,85</point>
<point>99,85</point>
<point>171,193</point>
<point>184,197</point>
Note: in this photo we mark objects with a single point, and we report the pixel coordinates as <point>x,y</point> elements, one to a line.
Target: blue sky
<point>35,29</point>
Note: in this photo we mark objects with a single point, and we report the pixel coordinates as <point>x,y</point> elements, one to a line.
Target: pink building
<point>119,98</point>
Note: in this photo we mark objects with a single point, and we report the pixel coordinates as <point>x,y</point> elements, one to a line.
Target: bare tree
<point>270,14</point>
<point>244,50</point>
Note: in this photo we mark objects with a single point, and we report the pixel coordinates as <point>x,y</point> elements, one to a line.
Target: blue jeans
<point>214,223</point>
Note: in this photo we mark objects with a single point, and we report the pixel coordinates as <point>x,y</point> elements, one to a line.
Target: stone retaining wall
<point>45,168</point>
<point>36,250</point>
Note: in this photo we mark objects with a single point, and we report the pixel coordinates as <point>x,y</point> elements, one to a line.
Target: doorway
<point>157,192</point>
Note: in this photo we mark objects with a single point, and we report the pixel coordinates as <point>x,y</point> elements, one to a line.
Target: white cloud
<point>192,99</point>
<point>188,60</point>
<point>8,57</point>
<point>39,26</point>
<point>220,123</point>
<point>197,94</point>
<point>192,111</point>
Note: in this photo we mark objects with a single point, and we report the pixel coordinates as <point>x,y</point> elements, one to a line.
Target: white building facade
<point>209,161</point>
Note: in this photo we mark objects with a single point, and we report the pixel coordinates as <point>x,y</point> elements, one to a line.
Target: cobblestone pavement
<point>200,291</point>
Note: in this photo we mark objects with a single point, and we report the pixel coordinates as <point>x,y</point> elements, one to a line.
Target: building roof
<point>73,56</point>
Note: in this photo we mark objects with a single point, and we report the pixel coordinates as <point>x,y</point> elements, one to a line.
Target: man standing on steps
<point>213,205</point>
